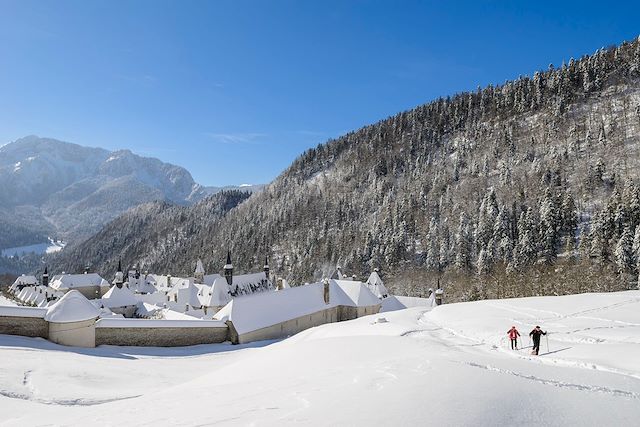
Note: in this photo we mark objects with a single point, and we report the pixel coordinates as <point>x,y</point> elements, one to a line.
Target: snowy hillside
<point>55,188</point>
<point>450,366</point>
<point>76,189</point>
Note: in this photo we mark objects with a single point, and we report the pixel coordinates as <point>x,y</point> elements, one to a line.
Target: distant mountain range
<point>54,188</point>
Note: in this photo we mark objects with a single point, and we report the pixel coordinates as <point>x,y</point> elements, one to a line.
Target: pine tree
<point>624,252</point>
<point>600,237</point>
<point>502,236</point>
<point>486,219</point>
<point>525,251</point>
<point>615,214</point>
<point>463,244</point>
<point>636,249</point>
<point>433,246</point>
<point>569,220</point>
<point>445,249</point>
<point>485,262</point>
<point>631,200</point>
<point>549,227</point>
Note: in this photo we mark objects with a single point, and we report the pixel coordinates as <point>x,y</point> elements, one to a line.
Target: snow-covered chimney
<point>326,290</point>
<point>266,267</point>
<point>228,269</point>
<point>119,279</point>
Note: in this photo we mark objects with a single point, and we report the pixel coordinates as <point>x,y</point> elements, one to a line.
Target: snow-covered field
<point>49,247</point>
<point>449,366</point>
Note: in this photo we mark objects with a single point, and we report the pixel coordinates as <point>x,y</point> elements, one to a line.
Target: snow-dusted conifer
<point>624,252</point>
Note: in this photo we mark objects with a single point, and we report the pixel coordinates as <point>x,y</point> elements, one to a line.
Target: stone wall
<point>349,313</point>
<point>25,326</point>
<point>160,337</point>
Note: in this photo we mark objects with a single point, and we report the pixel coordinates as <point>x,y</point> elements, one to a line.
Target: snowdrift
<point>448,365</point>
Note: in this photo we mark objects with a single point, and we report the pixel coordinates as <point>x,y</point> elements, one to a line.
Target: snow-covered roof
<point>171,314</point>
<point>357,293</point>
<point>23,295</point>
<point>260,310</point>
<point>75,281</point>
<point>376,285</point>
<point>162,281</point>
<point>245,284</point>
<point>72,307</point>
<point>157,298</point>
<point>25,281</point>
<point>210,278</point>
<point>393,302</point>
<point>146,310</point>
<point>119,297</point>
<point>217,295</point>
<point>142,285</point>
<point>257,311</point>
<point>18,311</point>
<point>187,293</point>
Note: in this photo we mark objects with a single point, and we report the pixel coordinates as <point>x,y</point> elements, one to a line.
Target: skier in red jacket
<point>513,336</point>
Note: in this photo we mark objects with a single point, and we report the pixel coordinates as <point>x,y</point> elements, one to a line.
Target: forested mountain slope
<point>146,234</point>
<point>524,188</point>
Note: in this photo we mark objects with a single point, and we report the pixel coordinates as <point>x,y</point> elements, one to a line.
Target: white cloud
<point>236,138</point>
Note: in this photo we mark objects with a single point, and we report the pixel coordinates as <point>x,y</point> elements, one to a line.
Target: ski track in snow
<point>560,384</point>
<point>31,395</point>
<point>481,345</point>
<point>445,335</point>
<point>62,402</point>
<point>555,315</point>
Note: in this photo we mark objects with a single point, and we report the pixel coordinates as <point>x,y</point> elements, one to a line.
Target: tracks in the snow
<point>30,394</point>
<point>61,402</point>
<point>559,384</point>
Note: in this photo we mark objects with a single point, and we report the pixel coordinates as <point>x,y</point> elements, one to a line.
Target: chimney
<point>228,269</point>
<point>45,277</point>
<point>326,290</point>
<point>119,279</point>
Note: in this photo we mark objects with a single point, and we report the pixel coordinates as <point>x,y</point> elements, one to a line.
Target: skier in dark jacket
<point>513,336</point>
<point>535,335</point>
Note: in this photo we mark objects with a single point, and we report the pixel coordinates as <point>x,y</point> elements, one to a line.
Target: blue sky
<point>235,90</point>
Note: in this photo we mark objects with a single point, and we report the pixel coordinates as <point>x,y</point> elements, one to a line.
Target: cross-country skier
<point>513,336</point>
<point>536,334</point>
